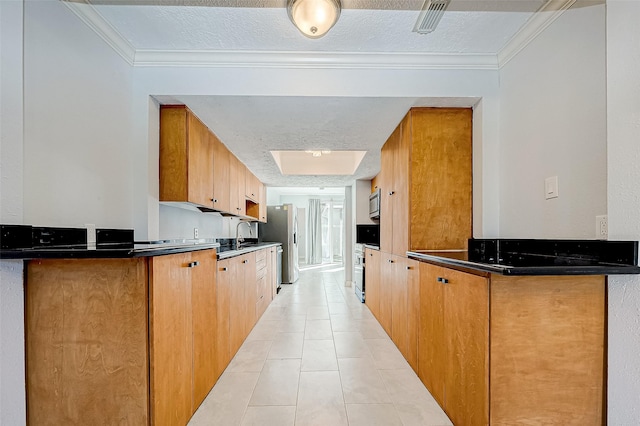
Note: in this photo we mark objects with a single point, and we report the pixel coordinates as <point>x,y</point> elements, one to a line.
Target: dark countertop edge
<point>101,253</point>
<point>256,247</point>
<point>474,267</point>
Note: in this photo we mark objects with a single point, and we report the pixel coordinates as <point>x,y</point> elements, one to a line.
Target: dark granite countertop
<point>248,248</point>
<point>105,251</point>
<point>539,257</point>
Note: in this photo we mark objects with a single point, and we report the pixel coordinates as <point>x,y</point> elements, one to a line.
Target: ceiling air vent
<point>431,13</point>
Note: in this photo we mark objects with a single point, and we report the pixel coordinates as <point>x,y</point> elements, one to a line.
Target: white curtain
<point>314,235</point>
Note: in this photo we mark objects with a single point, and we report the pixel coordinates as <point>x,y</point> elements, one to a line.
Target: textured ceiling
<point>252,126</point>
<point>269,29</point>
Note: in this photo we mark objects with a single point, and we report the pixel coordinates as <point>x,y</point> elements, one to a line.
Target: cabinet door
<point>221,182</point>
<point>441,178</point>
<point>263,204</point>
<point>204,314</point>
<point>400,198</point>
<point>399,305</point>
<point>237,178</point>
<point>250,284</point>
<point>466,318</point>
<point>387,191</point>
<point>412,268</point>
<point>236,304</point>
<point>241,176</point>
<point>200,158</point>
<point>223,305</point>
<point>372,281</point>
<point>431,334</point>
<point>171,339</point>
<point>252,189</point>
<point>387,272</point>
<point>406,308</point>
<point>375,184</point>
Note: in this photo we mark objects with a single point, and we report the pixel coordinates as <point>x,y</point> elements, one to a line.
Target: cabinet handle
<point>193,264</point>
<point>390,261</point>
<point>409,268</point>
<point>223,269</point>
<point>392,192</point>
<point>443,280</point>
<point>370,254</point>
<point>245,261</point>
<point>215,200</point>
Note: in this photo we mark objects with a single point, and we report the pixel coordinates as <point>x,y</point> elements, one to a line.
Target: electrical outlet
<point>195,232</point>
<point>602,227</point>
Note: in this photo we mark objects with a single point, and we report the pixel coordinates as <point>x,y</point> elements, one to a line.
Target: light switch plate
<point>551,187</point>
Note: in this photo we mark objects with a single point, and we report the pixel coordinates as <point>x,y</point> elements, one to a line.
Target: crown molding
<point>544,17</point>
<point>90,16</point>
<point>547,14</point>
<point>335,60</point>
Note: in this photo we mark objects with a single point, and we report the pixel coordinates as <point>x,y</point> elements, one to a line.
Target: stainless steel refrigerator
<point>282,227</point>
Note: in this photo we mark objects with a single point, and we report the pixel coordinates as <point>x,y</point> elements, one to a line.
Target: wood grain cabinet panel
<point>386,286</point>
<point>171,339</point>
<point>224,278</point>
<point>544,363</point>
<point>221,178</point>
<point>205,322</point>
<point>548,350</point>
<point>186,157</point>
<point>372,281</point>
<point>405,312</point>
<point>426,182</point>
<point>134,341</point>
<point>86,342</point>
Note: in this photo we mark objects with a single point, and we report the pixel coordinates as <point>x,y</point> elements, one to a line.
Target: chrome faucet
<point>238,238</point>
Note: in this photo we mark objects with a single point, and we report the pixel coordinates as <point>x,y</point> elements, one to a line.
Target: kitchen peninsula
<point>126,333</point>
<point>510,331</point>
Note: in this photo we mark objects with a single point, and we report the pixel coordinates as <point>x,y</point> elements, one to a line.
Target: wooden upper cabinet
<point>263,204</point>
<point>441,178</point>
<point>186,157</point>
<point>221,181</point>
<point>386,191</point>
<point>426,182</point>
<point>375,184</point>
<point>237,172</point>
<point>252,187</point>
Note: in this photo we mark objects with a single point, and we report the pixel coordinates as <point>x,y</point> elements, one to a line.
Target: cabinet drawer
<point>261,255</point>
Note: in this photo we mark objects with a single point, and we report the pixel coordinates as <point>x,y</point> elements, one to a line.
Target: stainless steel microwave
<point>374,204</point>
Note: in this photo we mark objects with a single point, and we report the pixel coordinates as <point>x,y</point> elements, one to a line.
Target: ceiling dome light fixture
<point>314,18</point>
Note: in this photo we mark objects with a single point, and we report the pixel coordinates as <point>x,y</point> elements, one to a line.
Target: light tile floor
<point>318,357</point>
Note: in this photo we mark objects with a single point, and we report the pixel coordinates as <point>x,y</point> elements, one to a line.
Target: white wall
<point>553,123</point>
<point>362,192</point>
<point>12,388</point>
<point>623,138</point>
<point>78,161</point>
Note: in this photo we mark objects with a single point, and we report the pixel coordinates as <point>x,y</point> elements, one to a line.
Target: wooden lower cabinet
<point>120,341</point>
<point>204,324</point>
<point>387,272</point>
<point>405,309</point>
<point>372,281</point>
<point>171,339</point>
<point>86,325</point>
<point>506,350</point>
